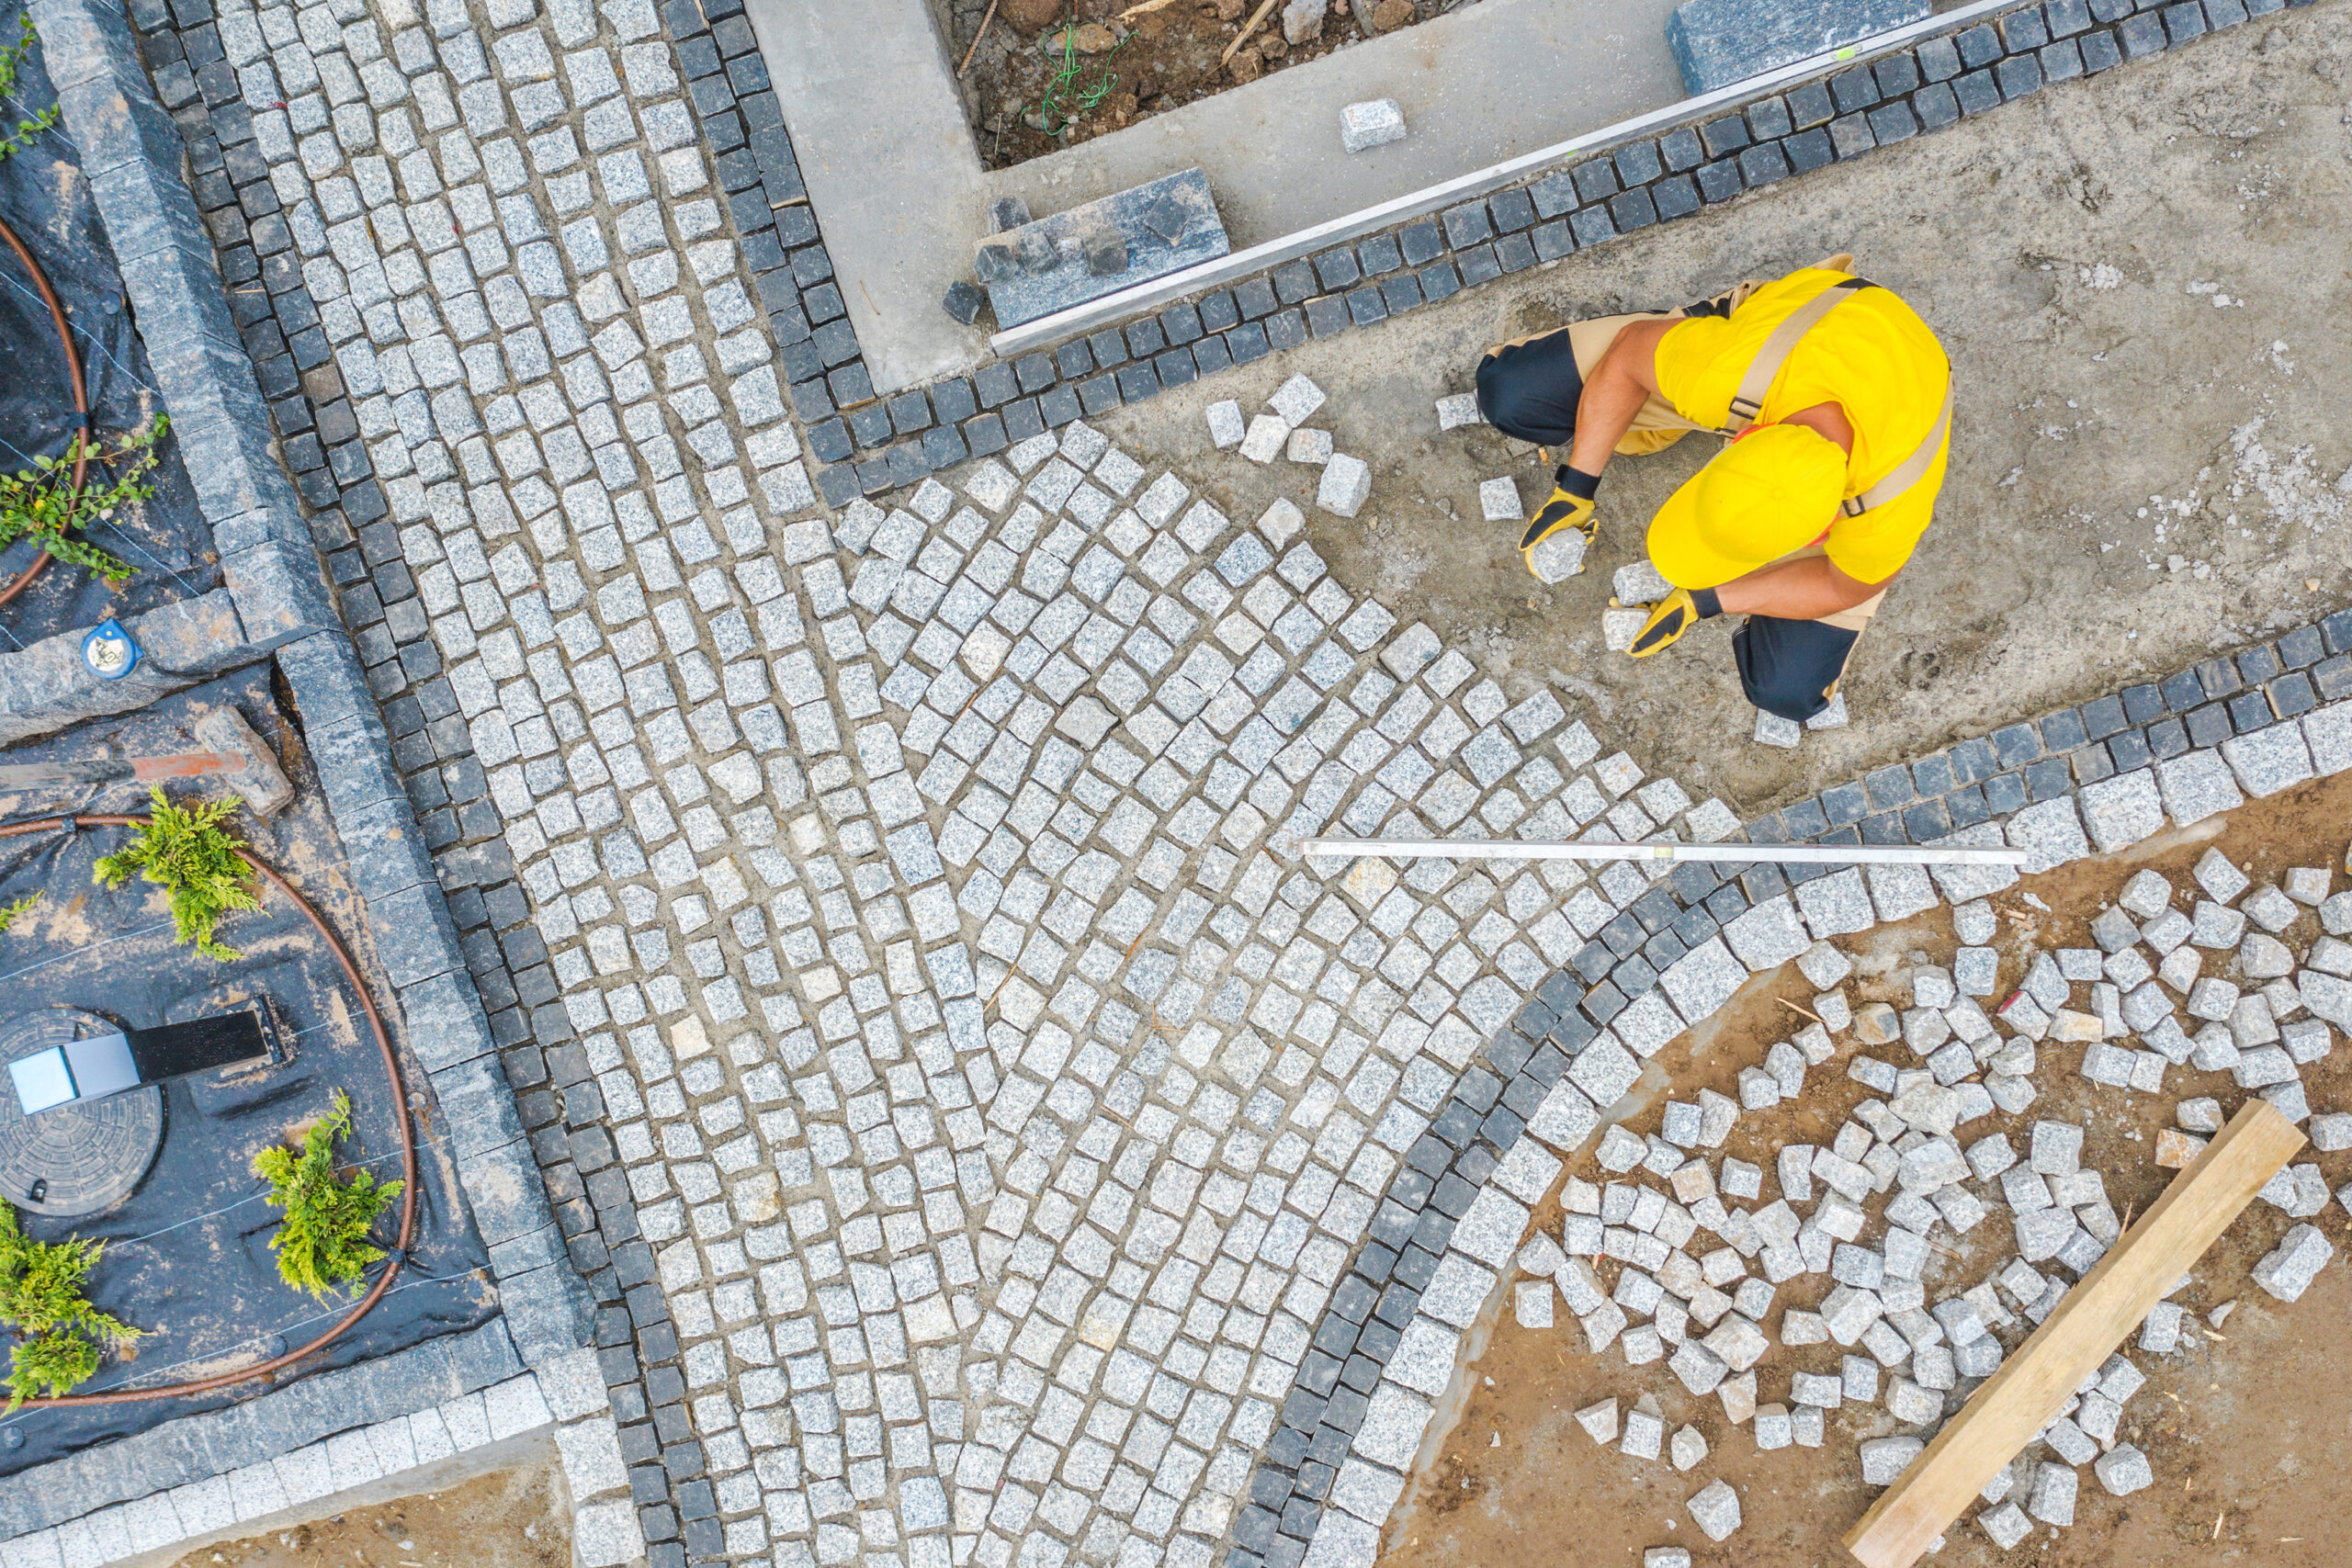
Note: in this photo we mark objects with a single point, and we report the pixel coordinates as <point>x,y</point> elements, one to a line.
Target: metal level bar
<point>1779,854</point>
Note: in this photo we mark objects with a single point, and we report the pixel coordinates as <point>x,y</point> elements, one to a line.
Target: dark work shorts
<point>1529,390</point>
<point>1788,667</point>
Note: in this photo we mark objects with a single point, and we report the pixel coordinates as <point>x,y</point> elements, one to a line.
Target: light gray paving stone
<point>2221,880</point>
<point>1345,485</point>
<point>2051,832</point>
<point>2269,760</point>
<point>2288,1270</point>
<point>1296,400</point>
<point>1370,124</point>
<point>2006,1525</point>
<point>1458,409</point>
<point>1898,892</point>
<point>2053,1497</point>
<point>1716,1509</point>
<point>1768,935</point>
<point>2122,810</point>
<point>1837,905</point>
<point>1703,979</point>
<point>2196,785</point>
<point>1885,1459</point>
<point>1392,1427</point>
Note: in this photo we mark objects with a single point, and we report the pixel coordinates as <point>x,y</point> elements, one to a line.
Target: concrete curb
<point>436,1411</point>
<point>2093,779</point>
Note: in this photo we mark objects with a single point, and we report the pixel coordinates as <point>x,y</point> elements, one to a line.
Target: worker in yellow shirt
<point>1837,400</point>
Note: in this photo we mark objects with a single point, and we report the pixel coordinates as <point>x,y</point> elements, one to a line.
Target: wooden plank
<point>2031,1386</point>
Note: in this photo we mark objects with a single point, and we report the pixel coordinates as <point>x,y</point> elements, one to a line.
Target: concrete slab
<point>2053,572</point>
<point>902,196</point>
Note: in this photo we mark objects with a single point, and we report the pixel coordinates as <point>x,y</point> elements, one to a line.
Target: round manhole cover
<point>76,1160</point>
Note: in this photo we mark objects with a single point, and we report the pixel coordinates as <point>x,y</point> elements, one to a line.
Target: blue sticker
<point>108,651</point>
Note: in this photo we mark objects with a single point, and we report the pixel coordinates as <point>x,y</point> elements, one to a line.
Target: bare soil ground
<point>2068,249</point>
<point>2246,1427</point>
<point>1131,69</point>
<point>513,1519</point>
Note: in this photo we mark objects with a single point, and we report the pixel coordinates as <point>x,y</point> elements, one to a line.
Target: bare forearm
<point>1614,392</point>
<point>1604,413</point>
<point>1793,590</point>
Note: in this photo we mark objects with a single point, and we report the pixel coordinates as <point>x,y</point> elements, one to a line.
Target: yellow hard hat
<point>1772,490</point>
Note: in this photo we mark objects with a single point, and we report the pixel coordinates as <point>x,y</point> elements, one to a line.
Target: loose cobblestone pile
<point>1926,1298</point>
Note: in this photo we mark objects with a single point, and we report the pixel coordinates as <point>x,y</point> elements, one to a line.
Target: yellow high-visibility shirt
<point>1873,356</point>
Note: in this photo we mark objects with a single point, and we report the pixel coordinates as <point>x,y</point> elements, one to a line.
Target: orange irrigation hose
<point>400,1106</point>
<point>81,397</point>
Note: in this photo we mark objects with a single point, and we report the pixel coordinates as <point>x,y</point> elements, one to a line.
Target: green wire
<point>1054,123</point>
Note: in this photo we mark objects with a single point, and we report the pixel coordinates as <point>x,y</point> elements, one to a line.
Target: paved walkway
<point>1000,1104</point>
<point>996,1170</point>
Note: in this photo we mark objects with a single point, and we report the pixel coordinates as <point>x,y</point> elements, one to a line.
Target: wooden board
<point>2031,1386</point>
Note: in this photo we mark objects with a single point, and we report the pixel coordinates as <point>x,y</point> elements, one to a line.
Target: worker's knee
<point>1788,667</point>
<point>1529,390</point>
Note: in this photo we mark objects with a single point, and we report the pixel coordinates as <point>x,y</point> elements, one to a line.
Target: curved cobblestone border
<point>2092,779</point>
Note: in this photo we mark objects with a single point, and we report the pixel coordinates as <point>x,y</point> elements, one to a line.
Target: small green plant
<point>38,504</point>
<point>12,59</point>
<point>1067,100</point>
<point>187,850</point>
<point>322,1243</point>
<point>9,912</point>
<point>60,1336</point>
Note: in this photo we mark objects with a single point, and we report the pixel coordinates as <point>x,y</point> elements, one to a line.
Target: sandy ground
<point>2073,252</point>
<point>514,1519</point>
<point>2247,1427</point>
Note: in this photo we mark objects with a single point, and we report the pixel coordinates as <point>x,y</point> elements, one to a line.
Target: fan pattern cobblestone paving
<point>966,1108</point>
<point>993,1111</point>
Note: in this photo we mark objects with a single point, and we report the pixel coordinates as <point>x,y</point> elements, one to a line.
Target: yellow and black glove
<point>1673,615</point>
<point>1570,505</point>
